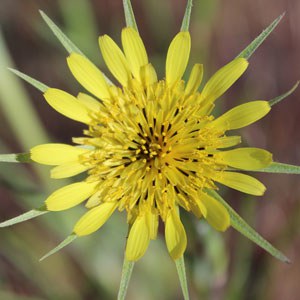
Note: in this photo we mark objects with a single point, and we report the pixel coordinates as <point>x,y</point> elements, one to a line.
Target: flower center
<point>150,147</point>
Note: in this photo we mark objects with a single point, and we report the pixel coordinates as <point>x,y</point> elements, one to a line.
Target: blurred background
<point>219,266</point>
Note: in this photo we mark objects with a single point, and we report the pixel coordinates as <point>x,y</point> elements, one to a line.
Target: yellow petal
<point>55,154</point>
<point>241,182</point>
<point>198,208</point>
<point>89,102</point>
<point>227,141</point>
<point>88,75</point>
<point>138,239</point>
<point>194,80</point>
<point>175,235</point>
<point>202,208</point>
<point>178,57</point>
<point>134,50</point>
<point>153,225</point>
<point>94,218</point>
<point>223,79</point>
<point>148,75</point>
<point>206,109</point>
<point>242,115</point>
<point>69,196</point>
<point>217,215</point>
<point>245,158</point>
<point>68,170</point>
<point>115,60</point>
<point>67,105</point>
<point>94,200</point>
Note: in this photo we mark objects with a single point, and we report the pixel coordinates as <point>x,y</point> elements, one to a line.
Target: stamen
<point>151,147</point>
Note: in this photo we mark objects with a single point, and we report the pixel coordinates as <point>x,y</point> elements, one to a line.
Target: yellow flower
<point>151,146</point>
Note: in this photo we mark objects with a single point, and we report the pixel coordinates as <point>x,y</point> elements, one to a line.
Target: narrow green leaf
<point>15,158</point>
<point>187,16</point>
<point>240,225</point>
<point>248,51</point>
<point>281,168</point>
<point>65,41</point>
<point>129,15</point>
<point>283,96</point>
<point>125,278</point>
<point>37,84</point>
<point>182,277</point>
<point>24,217</point>
<point>63,244</point>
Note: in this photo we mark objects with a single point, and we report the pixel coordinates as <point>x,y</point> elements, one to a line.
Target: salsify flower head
<point>151,147</point>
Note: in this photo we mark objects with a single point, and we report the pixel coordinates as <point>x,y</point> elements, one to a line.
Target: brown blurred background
<point>219,266</point>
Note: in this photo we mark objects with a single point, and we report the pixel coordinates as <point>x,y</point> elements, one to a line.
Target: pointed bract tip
<point>24,217</point>
<point>63,244</point>
<point>283,14</point>
<point>287,260</point>
<point>12,70</point>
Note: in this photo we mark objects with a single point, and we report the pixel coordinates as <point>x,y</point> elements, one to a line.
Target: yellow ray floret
<point>89,102</point>
<point>94,219</point>
<point>153,225</point>
<point>148,75</point>
<point>178,57</point>
<point>245,158</point>
<point>227,141</point>
<point>88,75</point>
<point>242,115</point>
<point>134,50</point>
<point>70,195</point>
<point>67,105</point>
<point>115,60</point>
<point>241,182</point>
<point>195,79</point>
<point>221,81</point>
<point>56,154</point>
<point>175,235</point>
<point>68,170</point>
<point>217,215</point>
<point>138,239</point>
